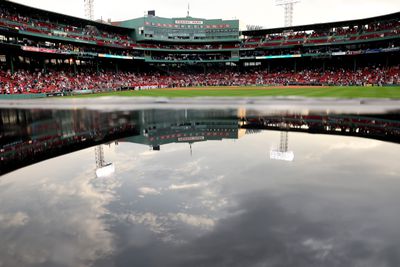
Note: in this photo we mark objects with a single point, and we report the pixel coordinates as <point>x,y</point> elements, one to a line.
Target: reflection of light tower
<point>284,144</point>
<point>282,152</point>
<point>288,6</point>
<point>102,169</point>
<point>99,154</point>
<point>89,9</point>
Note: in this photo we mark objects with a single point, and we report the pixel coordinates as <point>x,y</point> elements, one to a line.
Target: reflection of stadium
<point>187,129</point>
<point>380,127</point>
<point>30,136</point>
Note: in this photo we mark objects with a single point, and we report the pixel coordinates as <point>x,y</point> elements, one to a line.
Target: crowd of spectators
<point>87,33</point>
<point>338,34</point>
<point>23,82</point>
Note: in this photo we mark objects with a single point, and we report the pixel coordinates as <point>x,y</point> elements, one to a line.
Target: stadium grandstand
<point>43,52</point>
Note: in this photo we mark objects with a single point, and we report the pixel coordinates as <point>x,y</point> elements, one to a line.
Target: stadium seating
<point>24,82</point>
<point>69,40</point>
<point>335,35</point>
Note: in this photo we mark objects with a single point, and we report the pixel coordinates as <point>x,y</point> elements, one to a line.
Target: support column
<point>355,64</point>
<point>75,67</point>
<point>11,63</point>
<point>97,67</point>
<point>44,65</point>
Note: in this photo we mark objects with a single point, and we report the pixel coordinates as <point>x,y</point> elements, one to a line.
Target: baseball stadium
<point>218,135</point>
<point>49,54</point>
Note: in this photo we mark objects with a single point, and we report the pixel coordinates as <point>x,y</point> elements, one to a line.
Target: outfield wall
<point>21,96</point>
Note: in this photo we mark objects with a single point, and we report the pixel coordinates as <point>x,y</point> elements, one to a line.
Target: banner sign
<point>189,22</point>
<point>391,49</point>
<point>38,49</point>
<point>114,56</point>
<point>354,53</point>
<point>191,138</point>
<point>338,53</point>
<point>373,51</point>
<point>279,56</point>
<point>60,33</point>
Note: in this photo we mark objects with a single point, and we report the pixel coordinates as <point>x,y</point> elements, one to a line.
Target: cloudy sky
<point>255,12</point>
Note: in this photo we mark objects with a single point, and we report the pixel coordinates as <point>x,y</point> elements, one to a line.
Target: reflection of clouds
<point>185,186</point>
<point>13,220</point>
<point>190,168</point>
<point>208,211</point>
<point>321,248</point>
<point>148,153</point>
<point>213,202</point>
<point>262,232</point>
<point>161,224</point>
<point>167,226</point>
<point>158,224</point>
<point>260,214</point>
<point>355,145</point>
<point>193,220</point>
<point>151,220</point>
<point>391,173</point>
<point>63,216</point>
<point>149,191</point>
<point>348,145</point>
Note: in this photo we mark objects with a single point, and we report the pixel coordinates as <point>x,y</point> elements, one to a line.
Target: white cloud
<point>193,220</point>
<point>355,145</point>
<point>184,186</point>
<point>148,153</point>
<point>13,220</point>
<point>322,248</point>
<point>71,209</point>
<point>153,221</point>
<point>148,191</point>
<point>191,168</point>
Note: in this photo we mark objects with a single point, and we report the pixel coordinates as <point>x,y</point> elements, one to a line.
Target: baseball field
<point>252,91</point>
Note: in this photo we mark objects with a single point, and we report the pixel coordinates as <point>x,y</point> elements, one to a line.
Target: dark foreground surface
<point>234,185</point>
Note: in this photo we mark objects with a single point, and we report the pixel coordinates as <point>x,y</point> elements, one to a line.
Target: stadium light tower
<point>89,9</point>
<point>288,6</point>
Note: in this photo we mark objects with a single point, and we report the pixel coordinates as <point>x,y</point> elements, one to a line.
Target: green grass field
<point>337,92</point>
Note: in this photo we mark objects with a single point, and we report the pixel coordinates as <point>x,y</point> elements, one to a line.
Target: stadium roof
<point>61,17</point>
<point>322,26</point>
